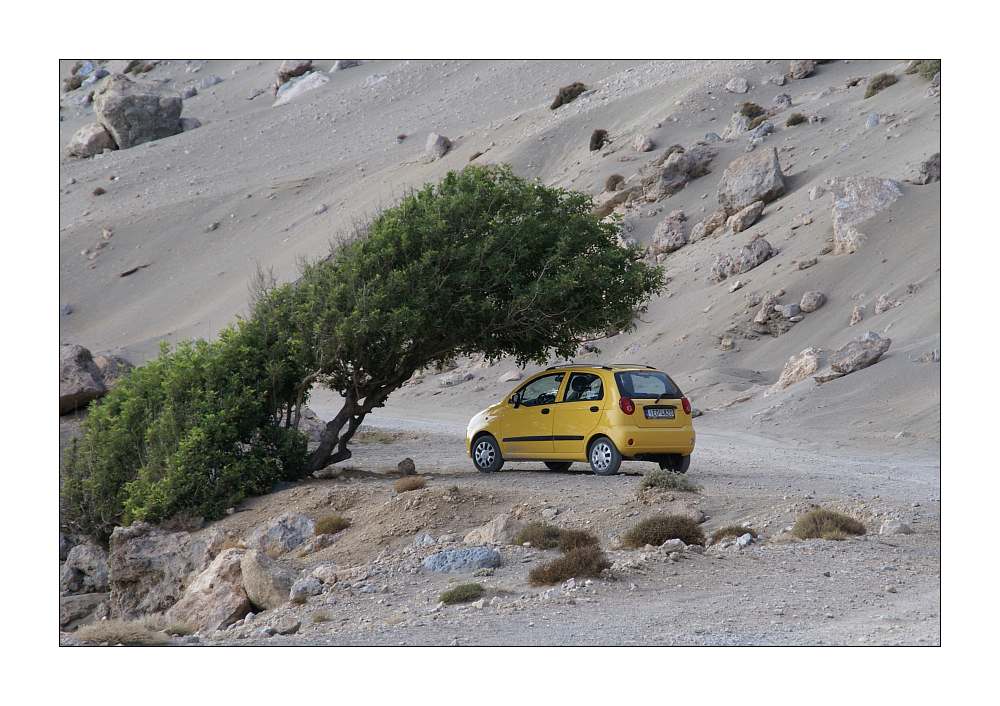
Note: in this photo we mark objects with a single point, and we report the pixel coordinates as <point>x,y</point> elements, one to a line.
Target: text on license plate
<point>659,413</point>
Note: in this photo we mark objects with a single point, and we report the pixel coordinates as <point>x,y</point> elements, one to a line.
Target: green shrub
<point>613,182</point>
<point>666,480</point>
<point>751,110</point>
<point>795,119</point>
<point>657,530</point>
<point>462,593</point>
<point>926,68</point>
<point>826,524</point>
<point>540,535</point>
<point>331,524</point>
<point>878,83</point>
<point>567,94</point>
<point>574,539</point>
<point>582,562</point>
<point>598,138</point>
<point>731,531</point>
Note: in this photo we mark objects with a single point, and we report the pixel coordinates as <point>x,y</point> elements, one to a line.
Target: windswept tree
<point>483,262</point>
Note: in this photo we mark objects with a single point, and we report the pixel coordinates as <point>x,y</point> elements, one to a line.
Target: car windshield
<point>646,384</point>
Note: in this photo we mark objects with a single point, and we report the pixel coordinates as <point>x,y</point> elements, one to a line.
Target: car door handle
<point>545,411</point>
<point>595,408</point>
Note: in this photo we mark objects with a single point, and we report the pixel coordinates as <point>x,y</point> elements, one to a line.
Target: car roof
<point>601,366</point>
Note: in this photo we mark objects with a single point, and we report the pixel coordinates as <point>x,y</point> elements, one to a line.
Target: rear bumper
<point>634,441</point>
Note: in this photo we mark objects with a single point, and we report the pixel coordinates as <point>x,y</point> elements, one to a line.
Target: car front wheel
<point>604,457</point>
<point>486,454</point>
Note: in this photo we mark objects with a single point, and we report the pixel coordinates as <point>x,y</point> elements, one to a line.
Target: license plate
<point>659,413</point>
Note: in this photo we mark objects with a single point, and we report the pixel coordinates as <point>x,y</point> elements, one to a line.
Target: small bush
<point>120,632</point>
<point>72,83</point>
<point>408,483</point>
<point>751,110</point>
<point>657,530</point>
<point>374,436</point>
<point>99,191</point>
<point>926,68</point>
<point>462,593</point>
<point>666,480</point>
<point>540,535</point>
<point>598,138</point>
<point>574,539</point>
<point>731,531</point>
<point>613,182</point>
<point>878,83</point>
<point>757,122</point>
<point>582,562</point>
<point>567,94</point>
<point>331,524</point>
<point>320,616</point>
<point>826,524</point>
<point>795,119</point>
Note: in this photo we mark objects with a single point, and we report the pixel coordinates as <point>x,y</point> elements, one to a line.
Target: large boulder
<point>811,301</point>
<point>755,176</point>
<point>927,171</point>
<point>500,530</point>
<point>859,353</point>
<point>89,140</point>
<point>743,260</point>
<point>268,584</point>
<point>80,380</point>
<point>311,425</point>
<point>282,534</point>
<point>801,68</point>
<point>469,559</point>
<point>215,599</point>
<point>79,609</point>
<point>856,200</point>
<point>678,167</point>
<point>669,234</point>
<point>134,112</point>
<point>745,217</point>
<point>798,368</point>
<point>437,146</point>
<point>150,568</point>
<point>737,84</point>
<point>85,570</point>
<point>298,86</point>
<point>291,68</point>
<point>112,368</point>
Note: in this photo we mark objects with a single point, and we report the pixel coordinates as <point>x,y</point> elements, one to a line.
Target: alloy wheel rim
<point>485,454</point>
<point>601,456</point>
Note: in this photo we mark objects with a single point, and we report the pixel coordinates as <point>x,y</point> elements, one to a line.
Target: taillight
<point>686,404</point>
<point>627,405</point>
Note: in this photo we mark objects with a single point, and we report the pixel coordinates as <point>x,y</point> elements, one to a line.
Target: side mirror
<point>515,400</point>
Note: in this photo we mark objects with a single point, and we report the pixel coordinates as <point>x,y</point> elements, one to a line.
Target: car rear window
<point>646,384</point>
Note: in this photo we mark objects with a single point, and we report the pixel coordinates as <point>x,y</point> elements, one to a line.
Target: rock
<point>642,143</point>
<point>89,140</point>
<point>470,559</point>
<point>311,425</point>
<point>857,315</point>
<point>826,375</point>
<point>755,176</point>
<point>677,169</point>
<point>288,625</point>
<point>934,89</point>
<point>856,200</point>
<point>85,570</point>
<point>781,102</point>
<point>737,85</point>
<point>817,192</point>
<point>712,137</point>
<point>314,544</point>
<point>189,92</point>
<point>328,473</point>
<point>341,64</point>
<point>80,380</point>
<point>859,353</point>
<point>811,301</point>
<point>437,146</point>
<point>406,467</point>
<point>925,172</point>
<point>549,514</point>
<point>456,379</point>
<point>744,540</point>
<point>329,574</point>
<point>669,234</point>
<point>150,567</point>
<point>511,376</point>
<point>801,68</point>
<point>123,66</point>
<point>268,584</point>
<point>215,599</point>
<point>787,310</point>
<point>798,368</point>
<point>135,113</point>
<point>884,303</point>
<point>758,133</point>
<point>188,124</point>
<point>282,534</point>
<point>297,87</point>
<point>112,368</point>
<point>75,610</point>
<point>738,124</point>
<point>807,263</point>
<point>745,217</point>
<point>871,121</point>
<point>303,589</point>
<point>673,545</point>
<point>65,545</point>
<point>891,527</point>
<point>500,530</point>
<point>291,68</point>
<point>744,260</point>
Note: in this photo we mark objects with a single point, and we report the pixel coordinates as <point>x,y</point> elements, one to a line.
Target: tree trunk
<point>330,440</point>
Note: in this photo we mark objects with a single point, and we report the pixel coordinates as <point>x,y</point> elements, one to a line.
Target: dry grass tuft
<point>751,110</point>
<point>731,531</point>
<point>331,524</point>
<point>926,68</point>
<point>795,119</point>
<point>408,483</point>
<point>613,182</point>
<point>668,481</point>
<point>582,562</point>
<point>757,122</point>
<point>826,524</point>
<point>120,632</point>
<point>540,535</point>
<point>374,436</point>
<point>657,530</point>
<point>567,94</point>
<point>100,191</point>
<point>462,593</point>
<point>878,83</point>
<point>598,138</point>
<point>320,616</point>
<point>574,539</point>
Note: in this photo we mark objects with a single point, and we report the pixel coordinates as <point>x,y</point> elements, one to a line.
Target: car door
<point>527,423</point>
<point>578,413</point>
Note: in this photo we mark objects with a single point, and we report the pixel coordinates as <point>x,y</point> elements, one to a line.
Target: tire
<point>676,464</point>
<point>486,456</point>
<point>605,460</point>
<point>558,465</point>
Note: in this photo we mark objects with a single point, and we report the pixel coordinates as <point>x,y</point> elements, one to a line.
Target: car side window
<point>541,391</point>
<point>584,386</point>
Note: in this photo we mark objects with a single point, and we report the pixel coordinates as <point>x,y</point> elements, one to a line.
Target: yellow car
<point>602,414</point>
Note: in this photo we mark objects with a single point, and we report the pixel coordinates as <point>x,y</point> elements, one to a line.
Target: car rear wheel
<point>676,464</point>
<point>604,457</point>
<point>558,465</point>
<point>486,454</point>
